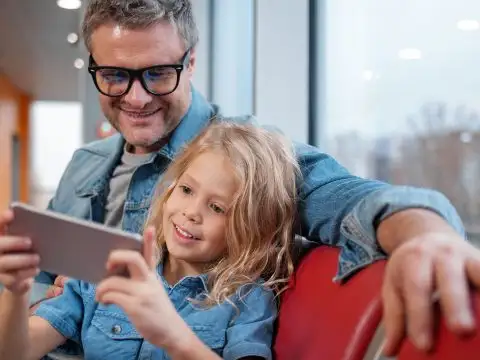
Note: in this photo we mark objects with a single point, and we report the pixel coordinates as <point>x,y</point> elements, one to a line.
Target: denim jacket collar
<point>108,157</point>
<point>197,117</point>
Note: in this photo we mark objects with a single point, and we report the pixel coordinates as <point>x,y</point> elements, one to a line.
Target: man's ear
<point>193,61</point>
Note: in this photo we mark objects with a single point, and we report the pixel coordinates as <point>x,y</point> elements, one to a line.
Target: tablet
<point>68,246</point>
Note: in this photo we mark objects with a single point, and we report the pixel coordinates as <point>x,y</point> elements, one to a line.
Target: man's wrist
<point>409,224</point>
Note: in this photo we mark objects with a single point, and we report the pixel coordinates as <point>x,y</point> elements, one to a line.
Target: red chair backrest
<point>447,345</point>
<point>320,319</point>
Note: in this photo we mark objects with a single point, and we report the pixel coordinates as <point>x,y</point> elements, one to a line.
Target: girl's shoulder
<point>254,294</point>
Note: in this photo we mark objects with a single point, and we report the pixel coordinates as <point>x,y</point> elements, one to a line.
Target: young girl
<point>216,250</point>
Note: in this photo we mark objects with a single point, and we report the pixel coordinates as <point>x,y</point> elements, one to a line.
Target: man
<point>142,59</point>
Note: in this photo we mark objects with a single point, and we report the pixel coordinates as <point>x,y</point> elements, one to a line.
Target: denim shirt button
<point>116,329</point>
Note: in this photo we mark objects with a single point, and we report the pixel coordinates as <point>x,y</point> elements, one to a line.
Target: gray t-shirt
<point>119,184</point>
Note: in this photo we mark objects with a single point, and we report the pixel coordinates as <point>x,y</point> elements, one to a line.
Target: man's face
<point>145,120</point>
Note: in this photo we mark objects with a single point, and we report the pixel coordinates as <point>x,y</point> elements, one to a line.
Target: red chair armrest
<point>320,319</point>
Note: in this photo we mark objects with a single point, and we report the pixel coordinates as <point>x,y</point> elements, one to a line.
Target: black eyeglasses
<point>157,80</point>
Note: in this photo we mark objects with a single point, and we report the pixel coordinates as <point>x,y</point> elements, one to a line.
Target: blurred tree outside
<point>441,151</point>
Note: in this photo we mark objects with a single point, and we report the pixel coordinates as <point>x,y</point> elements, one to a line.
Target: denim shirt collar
<point>199,114</point>
<point>193,283</point>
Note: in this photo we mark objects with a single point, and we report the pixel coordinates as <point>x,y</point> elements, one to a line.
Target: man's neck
<point>142,150</point>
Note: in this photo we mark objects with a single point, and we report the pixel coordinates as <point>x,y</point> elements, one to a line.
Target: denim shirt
<point>335,207</point>
<point>105,332</point>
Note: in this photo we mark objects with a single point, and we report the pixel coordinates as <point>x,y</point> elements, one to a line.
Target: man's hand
<point>429,266</point>
<point>57,288</point>
<point>53,291</point>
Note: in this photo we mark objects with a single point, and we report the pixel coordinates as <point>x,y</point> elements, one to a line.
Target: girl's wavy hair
<point>260,221</point>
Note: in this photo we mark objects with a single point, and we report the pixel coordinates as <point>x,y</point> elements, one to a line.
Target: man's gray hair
<point>140,14</point>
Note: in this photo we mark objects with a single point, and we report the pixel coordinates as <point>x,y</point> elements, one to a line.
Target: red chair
<point>447,345</point>
<point>320,319</point>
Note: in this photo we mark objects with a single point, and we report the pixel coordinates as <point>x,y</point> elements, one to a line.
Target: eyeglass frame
<point>137,74</point>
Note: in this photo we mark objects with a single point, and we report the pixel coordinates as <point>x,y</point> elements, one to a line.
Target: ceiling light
<point>468,25</point>
<point>69,4</point>
<point>72,38</point>
<point>78,63</point>
<point>410,54</point>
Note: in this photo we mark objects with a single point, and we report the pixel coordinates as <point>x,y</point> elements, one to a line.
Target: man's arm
<point>328,193</point>
<point>409,224</point>
<point>339,209</point>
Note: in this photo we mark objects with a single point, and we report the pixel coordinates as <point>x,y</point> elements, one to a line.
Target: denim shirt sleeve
<point>339,209</point>
<point>65,312</point>
<point>251,331</point>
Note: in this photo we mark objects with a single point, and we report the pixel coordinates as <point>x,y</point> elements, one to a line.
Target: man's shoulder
<point>85,174</point>
<point>248,120</point>
<point>239,119</point>
<point>95,153</point>
<point>97,156</point>
<point>104,147</point>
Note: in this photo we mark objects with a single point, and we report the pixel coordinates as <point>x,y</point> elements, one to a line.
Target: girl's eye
<point>217,209</point>
<point>185,189</point>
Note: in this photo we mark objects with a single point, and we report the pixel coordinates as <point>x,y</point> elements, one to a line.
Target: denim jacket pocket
<point>214,338</point>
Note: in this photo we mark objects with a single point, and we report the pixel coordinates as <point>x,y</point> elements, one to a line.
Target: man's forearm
<point>408,224</point>
<point>14,315</point>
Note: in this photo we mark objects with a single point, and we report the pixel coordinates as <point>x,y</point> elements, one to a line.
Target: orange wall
<point>14,120</point>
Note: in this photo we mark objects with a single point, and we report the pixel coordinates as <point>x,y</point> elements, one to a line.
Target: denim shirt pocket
<point>114,326</point>
<point>111,334</point>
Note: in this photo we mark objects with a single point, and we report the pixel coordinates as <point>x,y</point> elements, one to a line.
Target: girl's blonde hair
<point>261,218</point>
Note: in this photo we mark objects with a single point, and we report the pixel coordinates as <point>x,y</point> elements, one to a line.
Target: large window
<point>402,94</point>
<point>56,132</point>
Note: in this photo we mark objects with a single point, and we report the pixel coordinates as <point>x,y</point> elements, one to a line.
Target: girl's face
<point>194,219</point>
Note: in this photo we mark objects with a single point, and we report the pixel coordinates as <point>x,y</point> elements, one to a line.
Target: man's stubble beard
<point>171,119</point>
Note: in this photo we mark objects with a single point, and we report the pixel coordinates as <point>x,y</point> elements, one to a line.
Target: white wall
<point>56,132</point>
